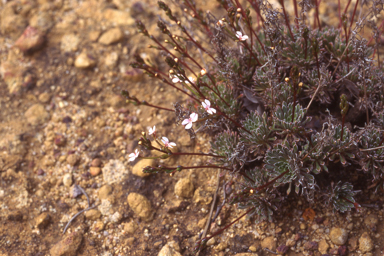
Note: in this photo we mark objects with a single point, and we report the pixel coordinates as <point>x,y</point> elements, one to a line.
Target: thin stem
<point>195,154</point>
<point>370,149</point>
<point>296,14</point>
<point>342,128</point>
<point>286,19</point>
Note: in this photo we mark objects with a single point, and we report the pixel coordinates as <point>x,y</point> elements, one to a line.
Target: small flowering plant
<point>273,139</point>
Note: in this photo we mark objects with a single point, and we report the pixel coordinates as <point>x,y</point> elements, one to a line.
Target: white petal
<point>188,126</point>
<point>213,110</point>
<point>164,140</point>
<point>173,144</point>
<point>204,105</point>
<point>238,34</point>
<point>208,103</point>
<point>132,159</point>
<point>245,37</point>
<point>186,121</point>
<point>194,117</point>
<point>132,155</point>
<point>175,80</point>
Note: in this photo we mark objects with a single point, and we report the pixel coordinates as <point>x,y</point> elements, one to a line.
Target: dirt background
<point>64,127</point>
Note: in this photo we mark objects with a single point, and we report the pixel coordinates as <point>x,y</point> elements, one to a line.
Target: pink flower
<point>168,144</point>
<point>188,122</point>
<point>241,36</point>
<point>207,106</point>
<point>152,130</point>
<point>133,156</point>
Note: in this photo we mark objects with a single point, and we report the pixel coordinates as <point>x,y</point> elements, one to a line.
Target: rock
<point>111,36</point>
<point>94,35</point>
<point>168,250</point>
<point>96,162</point>
<point>202,196</point>
<point>42,20</point>
<point>48,160</point>
<point>94,171</point>
<point>36,114</point>
<point>371,221</point>
<point>68,245</point>
<point>13,73</point>
<point>105,207</point>
<point>42,220</point>
<point>269,243</point>
<point>69,43</point>
<point>116,217</point>
<point>184,188</point>
<point>140,205</point>
<point>60,140</point>
<point>67,180</point>
<point>99,226</point>
<point>31,39</point>
<point>92,214</point>
<point>310,245</point>
<point>303,226</point>
<point>282,249</point>
<point>85,61</point>
<point>353,243</point>
<point>11,23</point>
<point>105,191</point>
<point>111,59</point>
<point>221,246</point>
<point>338,236</point>
<point>114,171</point>
<point>44,97</point>
<point>73,159</point>
<point>130,227</point>
<point>139,166</point>
<point>246,254</point>
<point>118,17</point>
<point>323,246</point>
<point>365,243</point>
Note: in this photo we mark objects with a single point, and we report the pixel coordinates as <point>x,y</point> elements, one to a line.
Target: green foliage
<point>341,196</point>
<point>285,122</point>
<point>260,130</point>
<point>226,144</point>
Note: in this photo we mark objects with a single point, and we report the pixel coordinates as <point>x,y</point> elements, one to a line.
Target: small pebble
<point>67,180</point>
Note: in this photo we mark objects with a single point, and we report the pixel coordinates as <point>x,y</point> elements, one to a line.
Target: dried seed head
<point>251,191</point>
<point>143,133</point>
<point>301,84</point>
<point>175,47</point>
<point>238,10</point>
<point>286,79</point>
<point>166,41</point>
<point>178,23</point>
<point>171,71</point>
<point>176,60</point>
<point>203,72</point>
<point>238,16</point>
